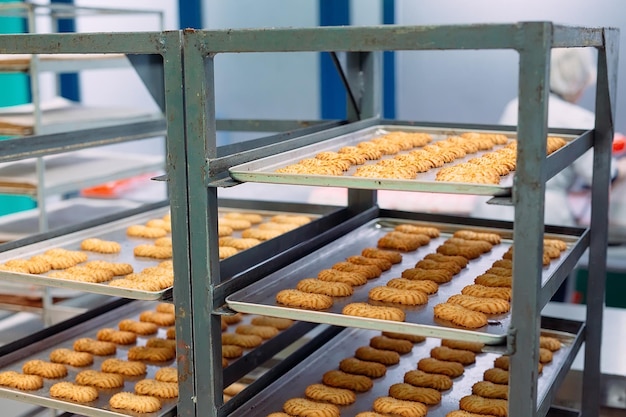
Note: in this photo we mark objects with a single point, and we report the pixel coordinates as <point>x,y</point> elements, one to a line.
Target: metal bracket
<point>224,311</point>
<point>511,340</point>
<point>224,183</point>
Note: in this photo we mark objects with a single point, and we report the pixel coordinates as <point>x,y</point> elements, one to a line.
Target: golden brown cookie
<point>158,342</point>
<point>360,367</point>
<point>100,246</point>
<point>305,300</point>
<point>165,308</point>
<point>170,333</point>
<point>451,266</point>
<point>440,276</point>
<point>426,286</point>
<point>157,389</point>
<point>413,338</point>
<point>444,353</point>
<point>97,379</point>
<point>350,278</point>
<point>488,389</point>
<point>167,374</point>
<point>408,392</point>
<point>231,351</point>
<point>260,234</point>
<point>419,378</point>
<point>439,257</point>
<point>73,392</point>
<point>496,375</point>
<point>139,230</point>
<point>398,296</point>
<point>134,402</point>
<point>402,408</point>
<point>476,404</point>
<point>463,413</point>
<point>119,337</point>
<point>492,238</point>
<point>317,286</point>
<point>482,304</point>
<point>545,355</point>
<point>403,242</point>
<point>422,230</point>
<point>476,347</point>
<point>387,343</point>
<point>493,280</point>
<point>370,271</point>
<point>503,263</point>
<point>138,327</point>
<point>123,367</point>
<point>19,381</point>
<point>332,395</point>
<point>277,322</point>
<point>152,354</point>
<point>291,219</point>
<point>118,268</point>
<point>160,223</point>
<point>44,369</point>
<point>307,408</point>
<point>385,357</point>
<point>246,341</point>
<point>227,251</point>
<point>70,357</point>
<point>382,263</point>
<point>389,255</point>
<point>373,312</point>
<point>436,366</point>
<point>95,347</point>
<point>160,319</point>
<point>265,332</point>
<point>460,316</point>
<point>340,379</point>
<point>489,292</point>
<point>496,270</point>
<point>551,343</point>
<point>153,251</point>
<point>238,243</point>
<point>556,243</point>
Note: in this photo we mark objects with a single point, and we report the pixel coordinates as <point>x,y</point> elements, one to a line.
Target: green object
<point>14,90</point>
<point>615,288</point>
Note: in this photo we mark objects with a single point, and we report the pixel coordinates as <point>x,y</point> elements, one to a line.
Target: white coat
<point>561,114</point>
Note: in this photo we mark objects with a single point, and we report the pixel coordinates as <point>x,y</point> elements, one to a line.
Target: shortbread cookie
<point>71,357</point>
<point>387,343</point>
<point>170,333</point>
<point>370,271</point>
<point>158,342</point>
<point>489,292</point>
<point>476,347</point>
<point>118,268</point>
<point>550,343</point>
<point>444,353</point>
<point>422,230</point>
<point>231,351</point>
<point>139,230</point>
<point>73,392</point>
<point>496,270</point>
<point>382,263</point>
<point>408,392</point>
<point>265,332</point>
<point>44,369</point>
<point>238,243</point>
<point>253,218</point>
<point>453,267</point>
<point>482,304</point>
<point>119,337</point>
<point>100,246</point>
<point>460,316</point>
<point>368,414</point>
<point>165,308</point>
<point>97,379</point>
<point>316,286</point>
<point>227,251</point>
<point>476,404</point>
<point>19,381</point>
<point>403,242</point>
<point>277,322</point>
<point>160,319</point>
<point>232,318</point>
<point>440,276</point>
<point>95,347</point>
<point>260,234</point>
<point>123,367</point>
<point>492,238</point>
<point>283,227</point>
<point>303,407</point>
<point>488,389</point>
<point>463,413</point>
<point>503,263</point>
<point>141,328</point>
<point>246,341</point>
<point>332,395</point>
<point>545,355</point>
<point>436,381</point>
<point>134,402</point>
<point>398,296</point>
<point>557,243</point>
<point>385,357</point>
<point>360,367</point>
<point>340,379</point>
<point>291,219</point>
<point>426,286</point>
<point>496,375</point>
<point>413,338</point>
<point>160,223</point>
<point>439,257</point>
<point>493,280</point>
<point>373,312</point>
<point>334,275</point>
<point>305,300</point>
<point>389,255</point>
<point>157,388</point>
<point>459,250</point>
<point>153,251</point>
<point>152,354</point>
<point>167,374</point>
<point>436,366</point>
<point>402,408</point>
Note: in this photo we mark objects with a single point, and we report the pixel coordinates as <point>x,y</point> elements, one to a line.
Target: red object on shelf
<point>619,143</point>
<point>113,189</point>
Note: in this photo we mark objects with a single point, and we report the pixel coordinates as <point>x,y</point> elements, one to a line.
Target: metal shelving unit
<point>196,167</point>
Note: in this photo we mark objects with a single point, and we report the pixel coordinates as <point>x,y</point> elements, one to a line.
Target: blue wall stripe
<point>69,86</point>
<point>389,65</point>
<point>333,93</point>
<point>190,14</point>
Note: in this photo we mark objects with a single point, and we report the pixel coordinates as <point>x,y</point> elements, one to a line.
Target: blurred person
<point>572,72</point>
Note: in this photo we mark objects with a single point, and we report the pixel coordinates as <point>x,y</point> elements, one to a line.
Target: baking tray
<point>310,371</point>
<point>259,297</point>
<point>263,170</point>
<point>65,339</point>
<point>111,231</point>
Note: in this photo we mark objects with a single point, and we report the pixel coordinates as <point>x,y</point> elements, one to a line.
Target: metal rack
<point>196,167</point>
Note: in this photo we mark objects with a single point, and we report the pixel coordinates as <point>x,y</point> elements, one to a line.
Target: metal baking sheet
<point>310,371</point>
<point>264,169</point>
<point>259,298</point>
<point>115,231</point>
<point>100,407</point>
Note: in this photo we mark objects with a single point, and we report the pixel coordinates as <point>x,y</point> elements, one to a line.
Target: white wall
<point>473,86</point>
